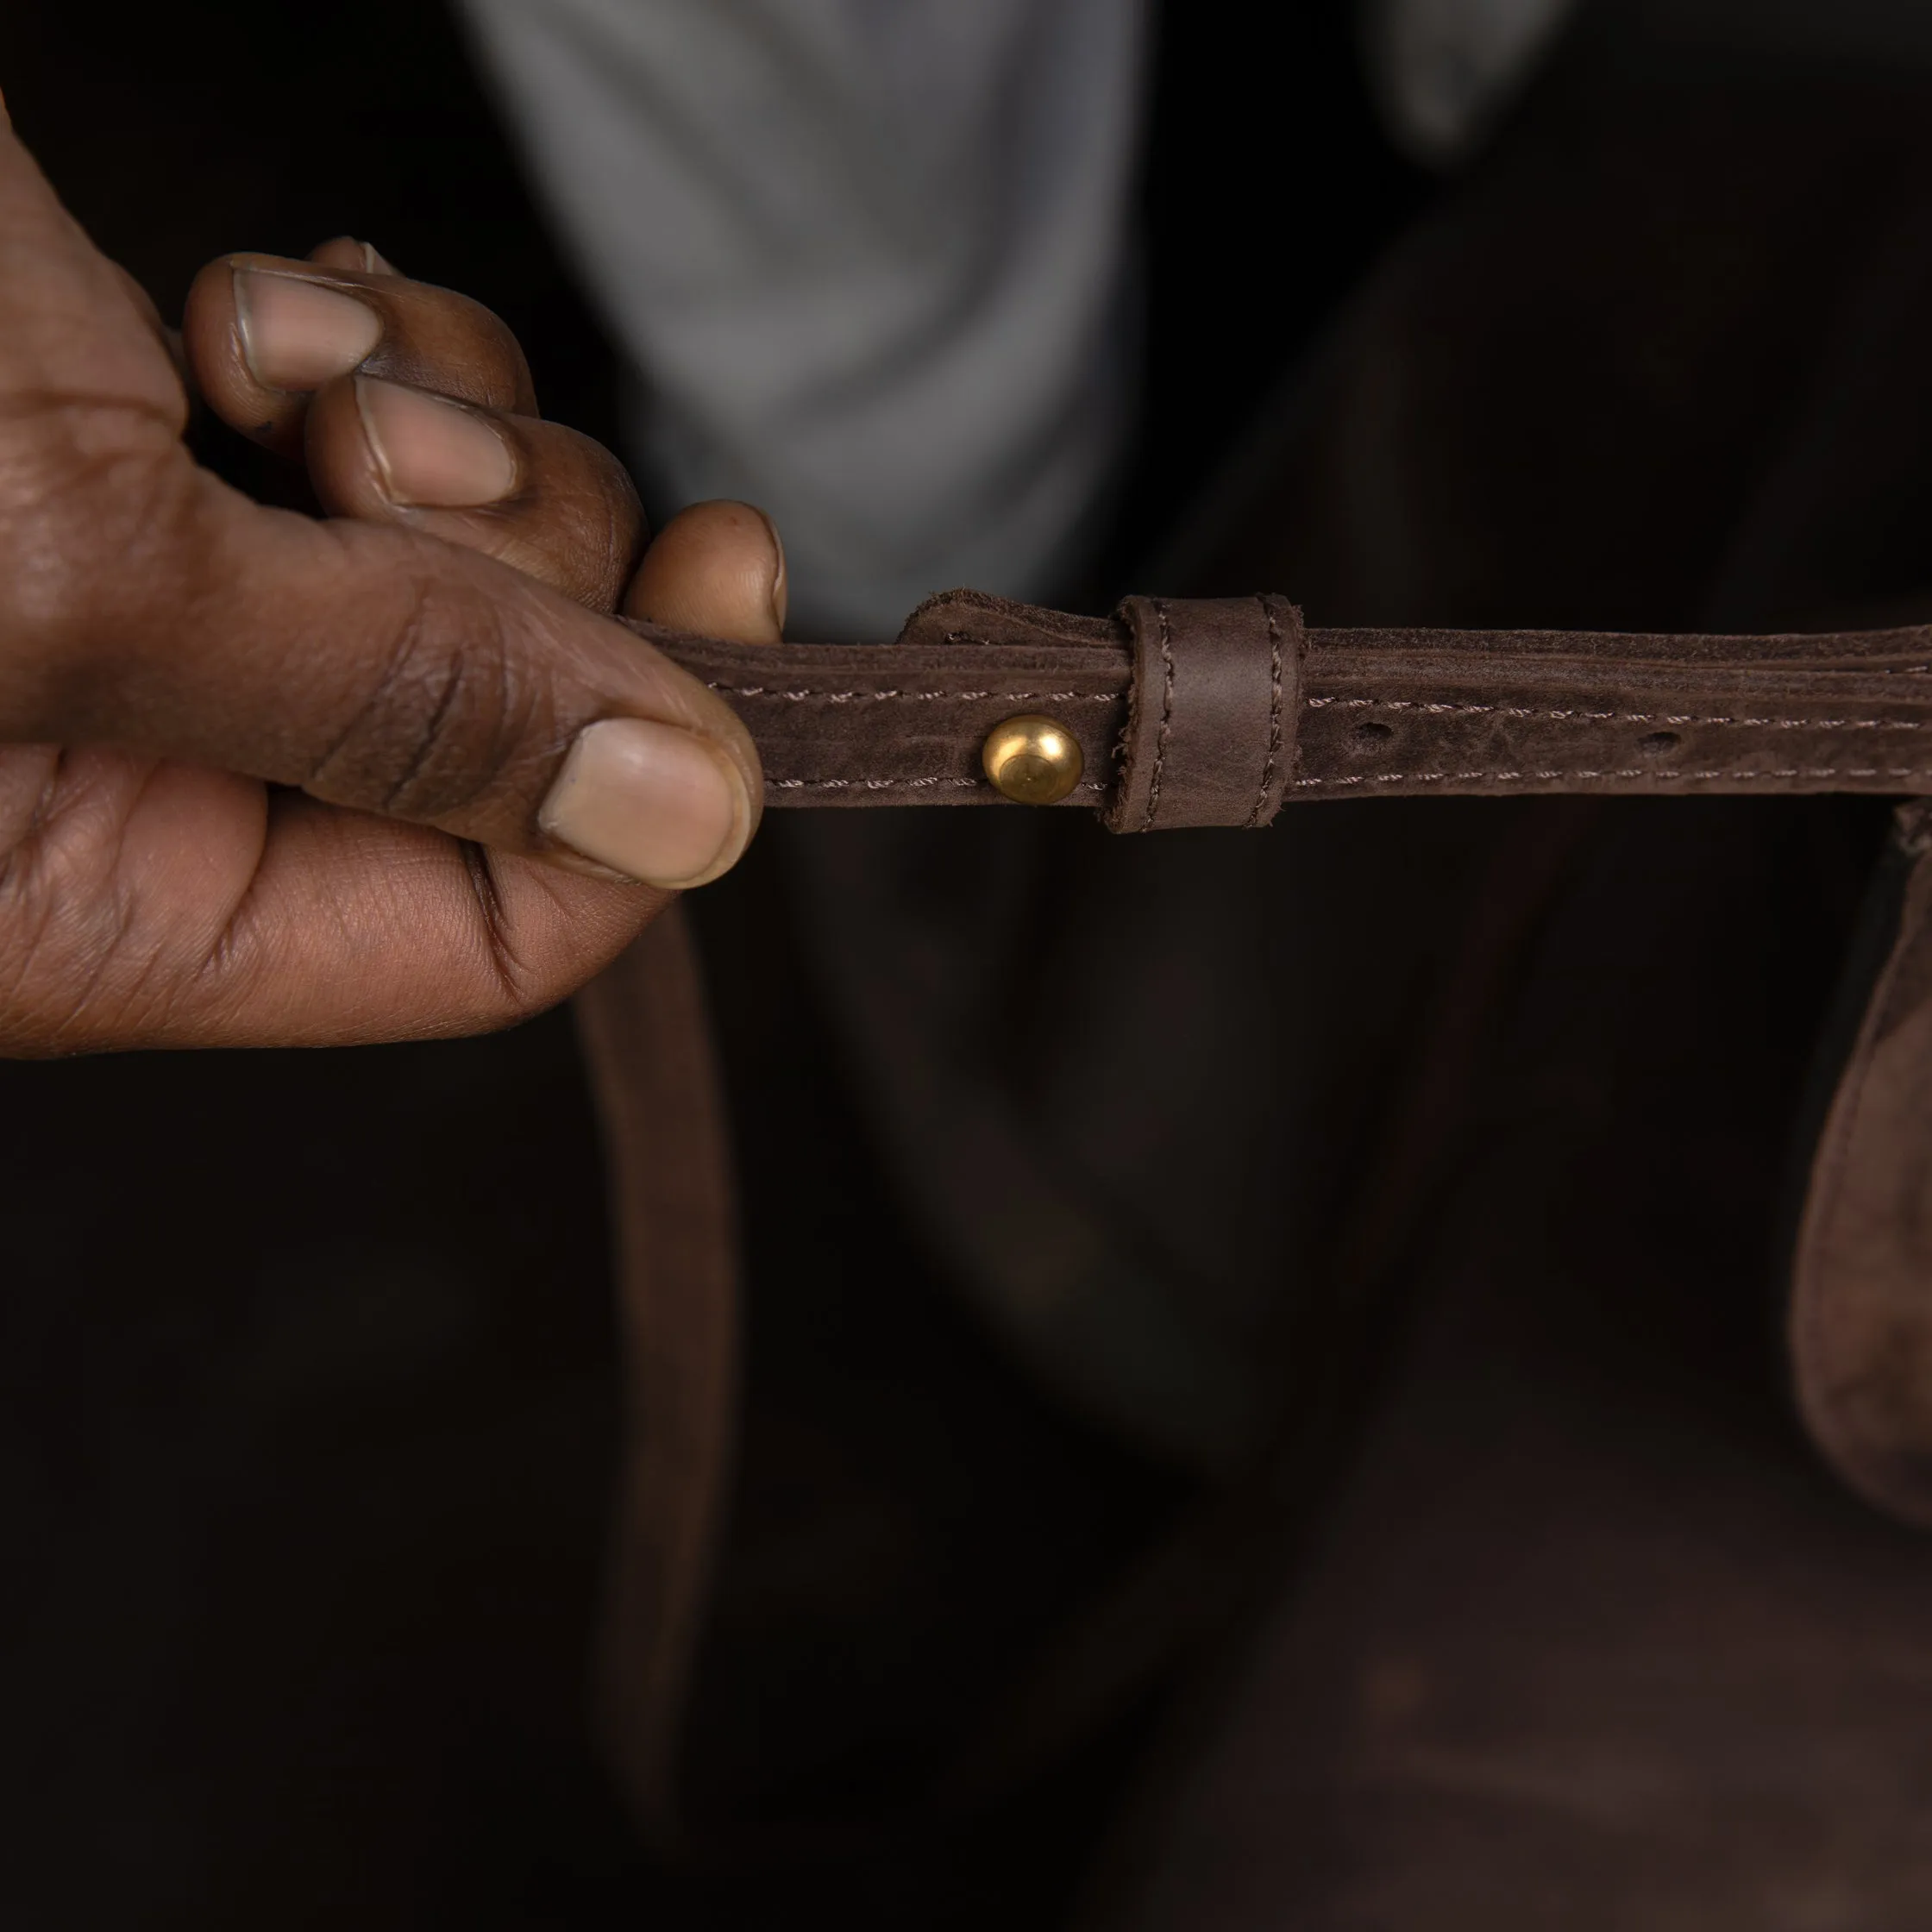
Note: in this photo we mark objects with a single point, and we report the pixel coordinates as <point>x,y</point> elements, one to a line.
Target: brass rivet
<point>1031,759</point>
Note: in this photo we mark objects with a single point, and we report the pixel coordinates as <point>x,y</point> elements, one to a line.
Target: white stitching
<point>1436,709</point>
<point>1661,777</point>
<point>961,697</point>
<point>1274,711</point>
<point>1167,715</point>
<point>889,784</point>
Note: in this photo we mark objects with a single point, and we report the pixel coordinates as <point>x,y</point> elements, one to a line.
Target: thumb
<point>375,669</point>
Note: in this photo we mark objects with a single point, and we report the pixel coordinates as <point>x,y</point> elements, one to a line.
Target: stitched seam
<point>1635,771</point>
<point>911,697</point>
<point>1167,716</point>
<point>967,638</point>
<point>1274,712</point>
<point>888,784</point>
<point>1436,709</point>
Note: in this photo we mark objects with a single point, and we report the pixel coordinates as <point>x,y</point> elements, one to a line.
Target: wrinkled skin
<point>269,778</point>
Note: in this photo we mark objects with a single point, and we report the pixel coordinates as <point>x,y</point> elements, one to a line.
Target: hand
<point>269,778</point>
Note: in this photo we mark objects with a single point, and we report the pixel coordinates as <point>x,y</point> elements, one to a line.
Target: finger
<point>263,334</point>
<point>356,928</point>
<point>373,668</point>
<point>157,905</point>
<point>531,494</point>
<point>716,569</point>
<point>346,252</point>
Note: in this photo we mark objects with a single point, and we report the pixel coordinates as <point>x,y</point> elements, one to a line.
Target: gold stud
<point>1031,759</point>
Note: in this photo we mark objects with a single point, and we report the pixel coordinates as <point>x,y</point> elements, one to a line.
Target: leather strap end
<point>1210,736</point>
<point>903,723</point>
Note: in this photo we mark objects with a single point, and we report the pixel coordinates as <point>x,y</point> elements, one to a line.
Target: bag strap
<point>661,1106</point>
<point>1188,712</point>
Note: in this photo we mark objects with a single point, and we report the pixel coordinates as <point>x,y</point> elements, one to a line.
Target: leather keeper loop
<point>1210,737</point>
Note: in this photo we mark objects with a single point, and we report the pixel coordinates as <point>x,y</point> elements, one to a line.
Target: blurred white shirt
<point>871,256</point>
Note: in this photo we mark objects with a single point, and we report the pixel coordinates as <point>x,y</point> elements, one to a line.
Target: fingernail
<point>299,335</point>
<point>649,800</point>
<point>780,594</point>
<point>433,454</point>
<point>373,263</point>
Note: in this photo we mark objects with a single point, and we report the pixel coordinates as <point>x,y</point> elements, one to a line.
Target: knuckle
<point>439,734</point>
<point>437,339</point>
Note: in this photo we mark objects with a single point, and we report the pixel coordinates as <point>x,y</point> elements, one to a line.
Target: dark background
<point>309,1418</point>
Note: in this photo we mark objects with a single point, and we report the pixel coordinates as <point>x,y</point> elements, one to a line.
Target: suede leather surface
<point>1203,712</point>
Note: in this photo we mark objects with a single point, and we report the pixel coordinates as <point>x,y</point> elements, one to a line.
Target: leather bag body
<point>1423,1175</point>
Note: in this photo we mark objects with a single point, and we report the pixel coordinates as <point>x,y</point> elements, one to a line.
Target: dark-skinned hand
<point>275,779</point>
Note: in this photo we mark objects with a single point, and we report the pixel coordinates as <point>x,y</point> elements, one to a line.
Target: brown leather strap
<point>660,1106</point>
<point>1212,711</point>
